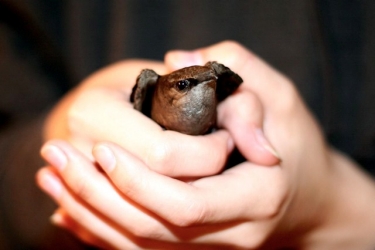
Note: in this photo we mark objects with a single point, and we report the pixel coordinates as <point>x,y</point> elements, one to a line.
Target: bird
<point>185,100</point>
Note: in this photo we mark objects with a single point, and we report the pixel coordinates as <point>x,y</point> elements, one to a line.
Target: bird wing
<point>227,81</point>
<point>143,91</point>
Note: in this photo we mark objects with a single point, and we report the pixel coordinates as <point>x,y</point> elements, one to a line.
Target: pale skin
<point>314,198</point>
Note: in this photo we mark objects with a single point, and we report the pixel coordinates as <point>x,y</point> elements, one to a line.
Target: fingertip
<point>54,156</point>
<point>222,137</point>
<point>255,147</point>
<point>62,219</point>
<point>58,219</point>
<point>49,182</point>
<point>39,175</point>
<point>262,140</point>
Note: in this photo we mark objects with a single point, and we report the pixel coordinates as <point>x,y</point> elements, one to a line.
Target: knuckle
<point>244,105</point>
<point>234,46</point>
<point>130,186</point>
<point>240,53</point>
<point>237,55</point>
<point>195,213</point>
<point>82,188</point>
<point>158,157</point>
<point>271,211</point>
<point>277,200</point>
<point>150,231</point>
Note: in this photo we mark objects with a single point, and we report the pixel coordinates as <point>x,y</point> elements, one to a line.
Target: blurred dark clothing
<point>46,47</point>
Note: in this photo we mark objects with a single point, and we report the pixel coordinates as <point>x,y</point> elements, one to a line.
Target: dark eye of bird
<point>182,85</point>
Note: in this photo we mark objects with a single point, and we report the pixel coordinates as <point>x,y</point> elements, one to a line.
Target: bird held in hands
<point>186,99</point>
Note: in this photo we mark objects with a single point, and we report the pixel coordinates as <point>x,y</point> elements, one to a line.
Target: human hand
<point>99,110</point>
<point>214,200</point>
<point>247,206</point>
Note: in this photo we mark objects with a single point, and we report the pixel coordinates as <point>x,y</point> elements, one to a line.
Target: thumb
<point>242,115</point>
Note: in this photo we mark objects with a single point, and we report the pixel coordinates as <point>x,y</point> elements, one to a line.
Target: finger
<point>93,194</point>
<point>93,188</point>
<point>247,191</point>
<point>62,219</point>
<point>93,228</point>
<point>167,152</point>
<point>82,211</point>
<point>52,185</point>
<point>242,115</point>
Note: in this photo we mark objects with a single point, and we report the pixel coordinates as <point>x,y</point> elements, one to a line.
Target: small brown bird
<point>184,100</point>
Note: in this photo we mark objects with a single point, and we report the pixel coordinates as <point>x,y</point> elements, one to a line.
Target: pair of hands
<point>161,189</point>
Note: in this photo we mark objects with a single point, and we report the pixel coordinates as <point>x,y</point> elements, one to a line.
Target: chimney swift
<point>186,99</point>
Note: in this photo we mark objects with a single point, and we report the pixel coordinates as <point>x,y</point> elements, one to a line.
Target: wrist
<point>349,221</point>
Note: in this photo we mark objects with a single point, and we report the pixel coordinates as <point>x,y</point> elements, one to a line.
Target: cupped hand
<point>99,110</point>
<point>247,206</point>
<point>148,210</point>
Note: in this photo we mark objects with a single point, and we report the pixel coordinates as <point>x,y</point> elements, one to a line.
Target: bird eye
<point>182,85</point>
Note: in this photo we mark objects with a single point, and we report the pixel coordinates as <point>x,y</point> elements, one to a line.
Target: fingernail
<point>261,139</point>
<point>105,157</point>
<point>180,58</point>
<point>51,185</point>
<point>54,156</point>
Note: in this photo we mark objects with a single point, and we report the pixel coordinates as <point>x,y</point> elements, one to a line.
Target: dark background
<point>325,46</point>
